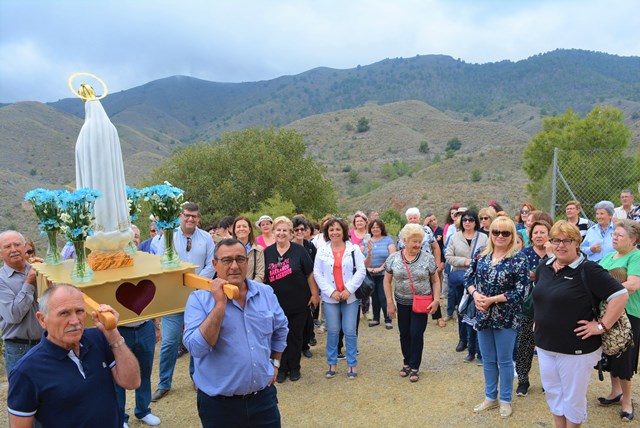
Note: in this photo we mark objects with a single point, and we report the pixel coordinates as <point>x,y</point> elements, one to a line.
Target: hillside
<point>190,109</point>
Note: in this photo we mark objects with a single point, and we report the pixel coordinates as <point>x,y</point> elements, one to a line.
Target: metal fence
<point>589,176</point>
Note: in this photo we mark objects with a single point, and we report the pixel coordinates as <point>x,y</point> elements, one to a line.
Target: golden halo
<point>74,75</point>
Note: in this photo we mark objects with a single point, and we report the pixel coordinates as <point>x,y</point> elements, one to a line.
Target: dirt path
<point>445,395</point>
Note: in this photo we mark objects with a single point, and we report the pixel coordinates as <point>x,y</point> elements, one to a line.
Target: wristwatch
<point>601,327</point>
<point>275,362</point>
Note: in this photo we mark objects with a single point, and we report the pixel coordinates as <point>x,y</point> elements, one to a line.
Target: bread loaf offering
<point>103,260</point>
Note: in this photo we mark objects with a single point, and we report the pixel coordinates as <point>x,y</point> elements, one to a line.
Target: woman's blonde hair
<point>563,227</point>
<point>488,212</point>
<point>502,223</point>
<point>631,227</point>
<point>411,229</point>
<point>283,219</point>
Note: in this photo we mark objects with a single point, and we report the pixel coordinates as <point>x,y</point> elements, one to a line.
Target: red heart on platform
<point>136,297</point>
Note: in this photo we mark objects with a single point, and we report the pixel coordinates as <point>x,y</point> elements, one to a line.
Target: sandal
<point>626,416</point>
<point>404,372</point>
<point>442,322</point>
<point>414,376</point>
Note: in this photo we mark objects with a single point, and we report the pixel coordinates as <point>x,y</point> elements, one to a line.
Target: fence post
<point>554,186</point>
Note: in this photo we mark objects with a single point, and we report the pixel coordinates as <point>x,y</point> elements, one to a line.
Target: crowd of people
<point>297,278</point>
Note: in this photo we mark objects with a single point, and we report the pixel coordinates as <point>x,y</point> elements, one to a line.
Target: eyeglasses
<point>299,229</point>
<point>504,233</point>
<point>228,261</point>
<point>193,216</point>
<point>558,241</point>
<point>188,244</point>
<point>524,211</point>
<point>484,218</point>
<point>31,252</point>
<point>152,230</point>
<point>468,220</point>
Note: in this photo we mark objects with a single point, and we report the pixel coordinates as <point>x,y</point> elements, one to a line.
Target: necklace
<point>407,260</point>
<point>495,258</point>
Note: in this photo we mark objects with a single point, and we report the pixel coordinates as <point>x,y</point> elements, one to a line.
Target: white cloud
<point>129,43</point>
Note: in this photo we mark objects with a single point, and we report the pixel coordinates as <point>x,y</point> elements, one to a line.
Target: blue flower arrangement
<point>45,206</point>
<point>165,203</point>
<point>76,213</point>
<point>133,197</point>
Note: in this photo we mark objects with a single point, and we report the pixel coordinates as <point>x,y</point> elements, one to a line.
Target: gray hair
<point>6,232</point>
<point>411,229</point>
<point>43,301</point>
<point>134,228</point>
<point>412,211</point>
<point>605,205</point>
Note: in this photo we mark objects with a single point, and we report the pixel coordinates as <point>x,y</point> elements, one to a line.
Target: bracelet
<point>118,343</point>
<point>604,327</point>
<point>474,291</point>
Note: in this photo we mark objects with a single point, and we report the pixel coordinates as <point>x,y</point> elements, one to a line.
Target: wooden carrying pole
<point>106,318</point>
<point>201,283</point>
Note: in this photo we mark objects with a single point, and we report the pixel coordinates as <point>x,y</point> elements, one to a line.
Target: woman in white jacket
<point>339,271</point>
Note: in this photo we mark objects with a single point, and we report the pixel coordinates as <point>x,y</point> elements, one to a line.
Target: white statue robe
<point>99,166</point>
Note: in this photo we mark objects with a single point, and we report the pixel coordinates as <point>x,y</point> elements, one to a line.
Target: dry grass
<point>445,395</point>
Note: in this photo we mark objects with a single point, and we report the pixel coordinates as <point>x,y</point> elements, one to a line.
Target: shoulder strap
<point>254,263</point>
<point>413,290</point>
<point>353,258</point>
<point>583,275</point>
<point>475,243</point>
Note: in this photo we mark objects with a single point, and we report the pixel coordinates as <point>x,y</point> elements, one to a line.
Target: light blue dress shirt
<point>201,253</point>
<point>595,235</point>
<point>239,363</point>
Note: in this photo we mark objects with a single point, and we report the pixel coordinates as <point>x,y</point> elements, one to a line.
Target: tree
<point>453,144</point>
<point>363,124</point>
<point>246,168</point>
<point>424,147</point>
<point>354,176</point>
<point>602,130</point>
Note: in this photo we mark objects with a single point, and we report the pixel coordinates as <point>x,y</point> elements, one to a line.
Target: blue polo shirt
<point>63,390</point>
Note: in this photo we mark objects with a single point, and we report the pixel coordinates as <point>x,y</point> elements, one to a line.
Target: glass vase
<point>130,248</point>
<point>169,258</point>
<point>53,256</point>
<point>81,272</point>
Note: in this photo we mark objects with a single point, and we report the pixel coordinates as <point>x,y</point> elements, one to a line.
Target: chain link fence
<point>588,176</point>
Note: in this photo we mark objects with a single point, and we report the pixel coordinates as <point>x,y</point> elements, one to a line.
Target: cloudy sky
<point>131,42</point>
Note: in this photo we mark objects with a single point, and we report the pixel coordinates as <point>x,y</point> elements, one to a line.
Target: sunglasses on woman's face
<point>468,220</point>
<point>504,233</point>
<point>524,211</point>
<point>484,218</point>
<point>30,252</point>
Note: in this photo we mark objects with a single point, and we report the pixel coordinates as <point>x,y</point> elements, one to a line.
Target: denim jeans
<point>379,299</point>
<point>453,298</point>
<point>13,352</point>
<point>171,336</point>
<point>142,342</point>
<point>497,351</point>
<point>261,410</point>
<point>412,327</point>
<point>336,315</point>
<point>472,340</point>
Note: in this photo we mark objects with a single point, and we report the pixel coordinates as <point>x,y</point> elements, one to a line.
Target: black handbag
<point>366,288</point>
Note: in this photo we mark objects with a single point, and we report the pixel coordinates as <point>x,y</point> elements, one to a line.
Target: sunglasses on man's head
<point>504,233</point>
<point>188,244</point>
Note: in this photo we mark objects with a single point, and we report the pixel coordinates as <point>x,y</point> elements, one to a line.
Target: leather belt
<point>23,341</point>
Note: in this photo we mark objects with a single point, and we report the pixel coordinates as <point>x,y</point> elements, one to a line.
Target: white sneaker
<point>151,419</point>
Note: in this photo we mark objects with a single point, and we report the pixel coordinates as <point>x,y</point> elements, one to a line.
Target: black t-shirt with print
<point>287,275</point>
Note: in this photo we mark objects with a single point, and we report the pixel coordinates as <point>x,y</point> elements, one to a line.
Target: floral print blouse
<point>510,276</point>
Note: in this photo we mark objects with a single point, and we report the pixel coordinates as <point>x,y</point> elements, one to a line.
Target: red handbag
<point>420,302</point>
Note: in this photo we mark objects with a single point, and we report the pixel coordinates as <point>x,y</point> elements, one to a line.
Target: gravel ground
<point>445,395</point>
